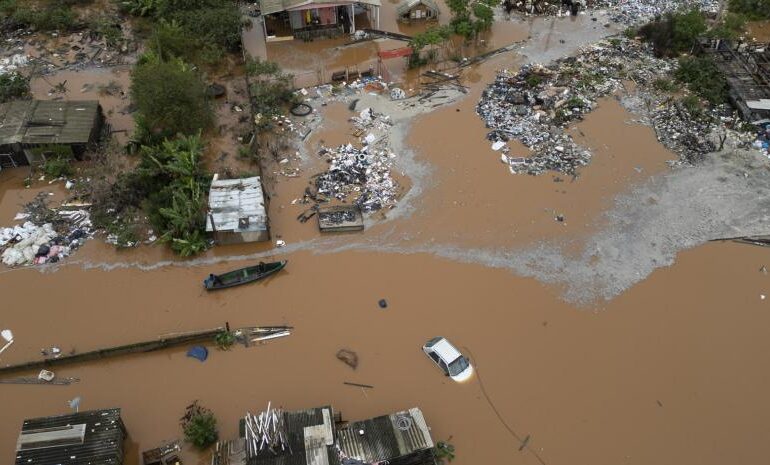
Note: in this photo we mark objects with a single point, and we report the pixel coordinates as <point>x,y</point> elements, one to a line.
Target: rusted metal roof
<point>47,121</point>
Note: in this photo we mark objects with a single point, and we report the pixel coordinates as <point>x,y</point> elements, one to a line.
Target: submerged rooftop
<point>48,122</point>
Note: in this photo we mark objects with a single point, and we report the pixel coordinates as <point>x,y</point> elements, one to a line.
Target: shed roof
<point>101,445</point>
<point>386,437</point>
<point>276,6</point>
<point>310,437</point>
<point>237,205</point>
<point>47,121</point>
<point>406,5</point>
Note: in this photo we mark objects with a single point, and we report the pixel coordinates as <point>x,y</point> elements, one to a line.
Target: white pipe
<point>6,346</point>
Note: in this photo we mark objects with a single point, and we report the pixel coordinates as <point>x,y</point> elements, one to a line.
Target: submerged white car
<point>448,359</point>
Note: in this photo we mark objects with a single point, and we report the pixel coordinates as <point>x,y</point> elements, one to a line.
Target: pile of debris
<point>363,174</point>
<point>640,11</point>
<point>537,104</point>
<point>621,11</point>
<point>47,235</point>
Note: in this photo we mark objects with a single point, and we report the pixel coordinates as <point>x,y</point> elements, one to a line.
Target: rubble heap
<point>537,104</point>
<point>640,11</point>
<point>361,173</point>
<point>47,235</point>
<point>621,11</point>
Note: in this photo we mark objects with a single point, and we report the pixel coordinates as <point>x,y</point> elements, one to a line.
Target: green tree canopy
<point>170,97</point>
<point>469,17</point>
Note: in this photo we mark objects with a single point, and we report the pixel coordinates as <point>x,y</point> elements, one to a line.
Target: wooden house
<point>417,10</point>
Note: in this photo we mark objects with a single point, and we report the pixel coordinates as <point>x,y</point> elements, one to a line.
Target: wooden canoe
<point>242,276</point>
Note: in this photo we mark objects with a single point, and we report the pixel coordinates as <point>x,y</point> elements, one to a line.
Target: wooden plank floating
<point>367,386</point>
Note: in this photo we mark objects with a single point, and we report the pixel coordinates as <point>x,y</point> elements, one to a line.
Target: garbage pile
<point>360,173</point>
<point>47,235</point>
<point>681,132</point>
<point>621,11</point>
<point>640,11</point>
<point>338,216</point>
<point>537,103</point>
<point>762,142</point>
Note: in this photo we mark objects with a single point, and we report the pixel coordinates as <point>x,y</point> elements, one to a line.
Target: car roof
<point>446,350</point>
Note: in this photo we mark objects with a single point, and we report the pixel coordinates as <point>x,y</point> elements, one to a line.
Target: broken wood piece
<point>367,386</point>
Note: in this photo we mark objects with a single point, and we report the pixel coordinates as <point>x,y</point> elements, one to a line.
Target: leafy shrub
<point>58,166</point>
<point>674,33</point>
<point>665,85</point>
<point>271,89</point>
<point>444,451</point>
<point>753,9</point>
<point>224,340</point>
<point>13,86</point>
<point>703,77</point>
<point>220,26</point>
<point>199,426</point>
<point>52,18</point>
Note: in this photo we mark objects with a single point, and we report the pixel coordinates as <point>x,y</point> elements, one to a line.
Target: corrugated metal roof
<point>47,121</point>
<point>297,422</point>
<point>385,438</point>
<point>268,7</point>
<point>237,205</point>
<point>102,445</point>
<point>407,5</point>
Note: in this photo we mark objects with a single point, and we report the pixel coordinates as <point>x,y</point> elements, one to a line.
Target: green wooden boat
<point>242,276</point>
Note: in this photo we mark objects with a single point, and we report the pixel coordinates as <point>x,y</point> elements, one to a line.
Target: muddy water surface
<point>662,374</point>
<point>672,371</point>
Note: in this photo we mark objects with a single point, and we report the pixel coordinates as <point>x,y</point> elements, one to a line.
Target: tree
<point>199,426</point>
<point>674,33</point>
<point>469,17</point>
<point>170,98</point>
<point>270,90</point>
<point>430,38</point>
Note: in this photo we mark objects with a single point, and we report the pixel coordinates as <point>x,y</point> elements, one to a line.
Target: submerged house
<point>417,10</point>
<point>31,130</point>
<point>318,437</point>
<point>311,19</point>
<point>84,438</point>
<point>237,211</point>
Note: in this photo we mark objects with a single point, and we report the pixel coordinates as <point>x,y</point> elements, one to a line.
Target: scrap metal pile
<point>266,433</point>
<point>362,174</point>
<point>46,236</point>
<point>537,104</point>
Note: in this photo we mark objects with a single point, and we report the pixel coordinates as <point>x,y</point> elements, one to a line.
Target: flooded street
<point>662,367</point>
<point>667,368</point>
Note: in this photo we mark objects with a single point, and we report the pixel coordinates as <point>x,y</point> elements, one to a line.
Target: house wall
<point>239,238</point>
<point>313,17</point>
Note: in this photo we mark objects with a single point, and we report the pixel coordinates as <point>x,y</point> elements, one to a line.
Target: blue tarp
<point>199,352</point>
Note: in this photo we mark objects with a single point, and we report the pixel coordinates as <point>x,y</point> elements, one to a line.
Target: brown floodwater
<point>663,373</point>
<point>670,371</point>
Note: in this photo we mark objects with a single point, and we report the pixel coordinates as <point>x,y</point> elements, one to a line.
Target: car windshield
<point>458,366</point>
